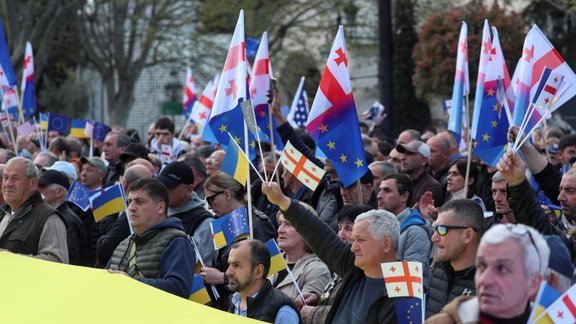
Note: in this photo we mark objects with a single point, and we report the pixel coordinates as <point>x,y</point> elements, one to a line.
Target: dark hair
<point>133,135</point>
<point>60,144</point>
<point>468,213</point>
<point>474,169</point>
<point>566,140</point>
<point>308,141</point>
<point>403,183</point>
<point>153,188</point>
<point>259,254</point>
<point>349,213</point>
<point>164,123</point>
<point>193,161</point>
<point>385,147</point>
<point>204,151</point>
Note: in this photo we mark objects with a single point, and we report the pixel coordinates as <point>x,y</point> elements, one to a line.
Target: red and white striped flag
<point>301,167</point>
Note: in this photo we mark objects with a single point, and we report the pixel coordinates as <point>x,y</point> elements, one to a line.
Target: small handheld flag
<point>229,227</point>
<point>199,292</point>
<point>108,202</point>
<point>79,195</point>
<point>301,167</point>
<point>235,164</point>
<point>403,279</point>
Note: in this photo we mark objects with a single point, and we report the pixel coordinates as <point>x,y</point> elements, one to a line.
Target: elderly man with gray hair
<point>27,216</point>
<point>375,234</point>
<point>510,265</point>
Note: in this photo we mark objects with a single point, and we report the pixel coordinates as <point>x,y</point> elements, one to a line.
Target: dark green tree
<point>409,110</point>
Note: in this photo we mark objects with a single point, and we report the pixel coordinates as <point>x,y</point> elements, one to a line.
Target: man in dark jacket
<point>186,206</point>
<point>525,205</point>
<point>254,296</point>
<point>28,216</point>
<point>363,297</point>
<point>457,234</point>
<point>54,187</point>
<point>159,253</point>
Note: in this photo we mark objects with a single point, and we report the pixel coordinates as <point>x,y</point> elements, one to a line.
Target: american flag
<point>300,108</point>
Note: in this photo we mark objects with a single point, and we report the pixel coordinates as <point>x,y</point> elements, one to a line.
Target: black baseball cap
<point>176,173</point>
<point>49,177</point>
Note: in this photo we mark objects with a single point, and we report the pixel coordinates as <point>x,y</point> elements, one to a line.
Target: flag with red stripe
<point>403,279</point>
<point>563,310</point>
<point>301,167</point>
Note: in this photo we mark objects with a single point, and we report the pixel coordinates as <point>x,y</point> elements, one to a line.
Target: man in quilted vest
<point>159,253</point>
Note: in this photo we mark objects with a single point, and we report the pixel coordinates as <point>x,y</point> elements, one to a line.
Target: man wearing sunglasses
<point>457,233</point>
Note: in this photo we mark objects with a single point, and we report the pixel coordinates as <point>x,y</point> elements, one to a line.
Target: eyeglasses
<point>443,229</point>
<point>210,199</point>
<point>521,230</point>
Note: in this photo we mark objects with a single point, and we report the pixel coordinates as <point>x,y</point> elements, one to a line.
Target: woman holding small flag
<point>307,270</point>
<point>225,195</point>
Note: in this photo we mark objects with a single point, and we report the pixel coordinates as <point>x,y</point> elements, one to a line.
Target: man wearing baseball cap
<point>415,156</point>
<point>185,205</point>
<point>54,185</point>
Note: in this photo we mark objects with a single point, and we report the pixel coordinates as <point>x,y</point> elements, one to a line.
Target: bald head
<point>135,172</point>
<point>140,161</point>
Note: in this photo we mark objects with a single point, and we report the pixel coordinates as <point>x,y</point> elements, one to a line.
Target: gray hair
<point>385,167</point>
<point>382,224</point>
<point>535,250</point>
<point>29,166</point>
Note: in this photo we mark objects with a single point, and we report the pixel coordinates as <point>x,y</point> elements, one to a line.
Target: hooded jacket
<point>414,243</point>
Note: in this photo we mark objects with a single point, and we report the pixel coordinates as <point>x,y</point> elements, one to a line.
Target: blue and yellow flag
<point>199,292</point>
<point>277,263</point>
<point>109,202</point>
<point>43,121</point>
<point>545,297</point>
<point>77,129</point>
<point>236,163</point>
<point>229,227</point>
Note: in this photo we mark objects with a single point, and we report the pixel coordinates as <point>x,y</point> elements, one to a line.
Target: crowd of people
<point>486,236</point>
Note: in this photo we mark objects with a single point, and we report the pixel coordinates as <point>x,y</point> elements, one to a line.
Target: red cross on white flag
<point>403,279</point>
<point>301,167</point>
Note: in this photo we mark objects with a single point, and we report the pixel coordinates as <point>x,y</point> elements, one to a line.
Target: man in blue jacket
<point>414,245</point>
<point>159,253</point>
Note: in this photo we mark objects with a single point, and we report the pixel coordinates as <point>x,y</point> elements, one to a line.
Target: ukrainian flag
<point>545,297</point>
<point>199,292</point>
<point>77,129</point>
<point>109,202</point>
<point>236,163</point>
<point>277,263</point>
<point>43,121</point>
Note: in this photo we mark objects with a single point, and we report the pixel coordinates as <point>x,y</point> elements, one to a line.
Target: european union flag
<point>100,130</point>
<point>491,135</point>
<point>229,227</point>
<point>251,46</point>
<point>78,194</point>
<point>5,58</point>
<point>58,123</point>
<point>409,310</point>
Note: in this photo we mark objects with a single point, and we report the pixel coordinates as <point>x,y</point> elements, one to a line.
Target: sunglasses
<point>443,229</point>
<point>520,230</point>
<point>210,199</point>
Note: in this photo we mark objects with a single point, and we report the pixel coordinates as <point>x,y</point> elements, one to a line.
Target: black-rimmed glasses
<point>210,199</point>
<point>443,229</point>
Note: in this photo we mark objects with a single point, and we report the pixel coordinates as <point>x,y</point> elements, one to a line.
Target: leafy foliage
<point>435,52</point>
